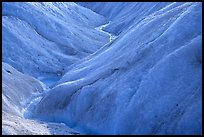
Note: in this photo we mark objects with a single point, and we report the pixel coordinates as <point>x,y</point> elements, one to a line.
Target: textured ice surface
<point>147,81</point>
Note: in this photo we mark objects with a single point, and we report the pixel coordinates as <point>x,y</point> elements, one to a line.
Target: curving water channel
<point>100,28</point>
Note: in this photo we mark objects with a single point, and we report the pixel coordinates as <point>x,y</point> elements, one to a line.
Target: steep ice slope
<point>147,81</point>
<point>17,91</point>
<point>42,39</point>
<point>124,14</point>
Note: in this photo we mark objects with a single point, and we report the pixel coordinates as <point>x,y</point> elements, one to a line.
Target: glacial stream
<point>100,28</point>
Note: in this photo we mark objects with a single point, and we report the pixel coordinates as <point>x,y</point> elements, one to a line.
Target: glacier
<point>134,68</point>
